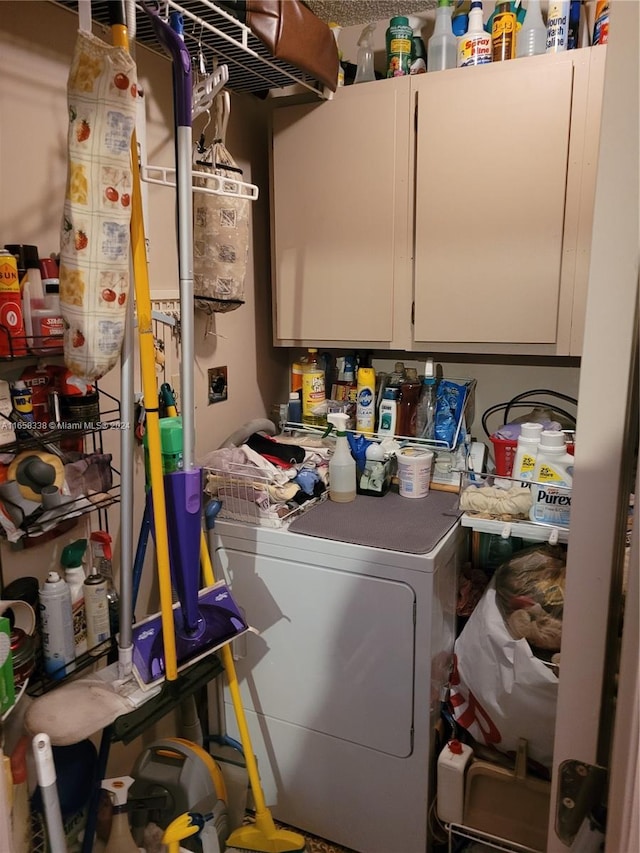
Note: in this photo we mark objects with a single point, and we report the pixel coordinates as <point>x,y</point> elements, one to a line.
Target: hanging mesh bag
<point>221,235</point>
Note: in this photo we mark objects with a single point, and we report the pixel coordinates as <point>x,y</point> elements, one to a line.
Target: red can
<point>12,336</point>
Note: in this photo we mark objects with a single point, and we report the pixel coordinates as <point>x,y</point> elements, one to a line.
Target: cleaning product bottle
<point>558,25</point>
<point>71,561</point>
<point>58,646</point>
<point>426,414</point>
<point>408,403</point>
<point>442,47</point>
<point>388,412</point>
<point>342,465</point>
<point>418,49</point>
<point>503,33</point>
<point>398,40</point>
<point>101,560</point>
<point>120,838</point>
<point>314,401</point>
<point>97,611</point>
<point>474,48</point>
<point>365,72</point>
<point>532,36</point>
<point>453,762</point>
<point>601,25</point>
<point>365,405</point>
<point>575,13</point>
<point>336,29</point>
<point>526,451</point>
<point>552,480</point>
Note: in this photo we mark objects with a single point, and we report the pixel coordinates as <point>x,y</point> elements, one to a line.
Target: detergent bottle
<point>526,452</point>
<point>552,480</point>
<point>342,465</point>
<point>365,72</point>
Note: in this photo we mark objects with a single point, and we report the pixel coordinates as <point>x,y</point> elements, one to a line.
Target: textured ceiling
<point>350,12</point>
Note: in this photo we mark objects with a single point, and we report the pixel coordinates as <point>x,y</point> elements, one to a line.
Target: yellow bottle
<point>366,405</point>
<point>314,400</point>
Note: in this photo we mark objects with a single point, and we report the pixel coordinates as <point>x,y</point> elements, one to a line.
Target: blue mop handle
<point>173,43</point>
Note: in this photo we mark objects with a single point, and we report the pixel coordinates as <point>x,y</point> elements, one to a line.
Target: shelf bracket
<point>205,91</point>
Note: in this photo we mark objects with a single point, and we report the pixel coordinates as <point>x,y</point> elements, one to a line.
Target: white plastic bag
<point>500,691</point>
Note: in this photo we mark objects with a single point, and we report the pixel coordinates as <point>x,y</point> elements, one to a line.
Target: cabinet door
<point>340,176</point>
<point>491,170</point>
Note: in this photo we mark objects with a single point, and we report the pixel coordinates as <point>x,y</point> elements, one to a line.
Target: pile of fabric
<point>265,480</point>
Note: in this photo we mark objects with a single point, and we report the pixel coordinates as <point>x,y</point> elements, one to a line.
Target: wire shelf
<point>493,842</point>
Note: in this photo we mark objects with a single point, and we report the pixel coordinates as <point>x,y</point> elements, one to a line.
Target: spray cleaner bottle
<point>101,557</point>
<point>474,48</point>
<point>365,72</point>
<point>342,465</point>
<point>71,562</point>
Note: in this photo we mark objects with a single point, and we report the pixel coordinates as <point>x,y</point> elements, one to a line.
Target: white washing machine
<point>342,686</point>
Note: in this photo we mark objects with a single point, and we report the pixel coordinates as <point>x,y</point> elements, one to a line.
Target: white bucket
<point>414,471</point>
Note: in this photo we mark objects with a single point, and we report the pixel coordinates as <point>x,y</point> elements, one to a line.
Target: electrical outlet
<point>217,386</point>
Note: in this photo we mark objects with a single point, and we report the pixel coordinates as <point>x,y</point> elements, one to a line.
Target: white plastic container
<point>532,36</point>
<point>453,762</point>
<point>365,72</point>
<point>552,481</point>
<point>558,26</point>
<point>388,413</point>
<point>75,577</point>
<point>414,471</point>
<point>526,452</point>
<point>474,48</point>
<point>342,465</point>
<point>442,47</point>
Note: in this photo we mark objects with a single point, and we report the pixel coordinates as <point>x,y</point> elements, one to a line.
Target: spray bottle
<point>442,47</point>
<point>365,72</point>
<point>71,562</point>
<point>418,49</point>
<point>474,48</point>
<point>426,416</point>
<point>101,561</point>
<point>532,38</point>
<point>120,838</point>
<point>342,465</point>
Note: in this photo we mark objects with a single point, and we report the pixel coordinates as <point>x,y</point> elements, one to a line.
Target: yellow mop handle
<point>150,396</point>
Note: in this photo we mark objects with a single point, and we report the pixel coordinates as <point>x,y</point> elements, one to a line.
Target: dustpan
<point>508,803</point>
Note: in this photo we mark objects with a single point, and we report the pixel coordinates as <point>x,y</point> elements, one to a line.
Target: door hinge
<point>581,792</point>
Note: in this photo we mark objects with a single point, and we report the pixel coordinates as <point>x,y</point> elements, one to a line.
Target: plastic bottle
<point>398,41</point>
<point>97,610</point>
<point>526,451</point>
<point>388,412</point>
<point>12,339</point>
<point>71,561</point>
<point>558,25</point>
<point>442,48</point>
<point>365,405</point>
<point>474,48</point>
<point>294,408</point>
<point>296,373</point>
<point>503,33</point>
<point>552,480</point>
<point>120,838</point>
<point>336,29</point>
<point>418,49</point>
<point>453,762</point>
<point>426,414</point>
<point>408,404</point>
<point>601,25</point>
<point>342,465</point>
<point>58,646</point>
<point>313,391</point>
<point>365,72</point>
<point>532,36</point>
<point>575,11</point>
<point>101,560</point>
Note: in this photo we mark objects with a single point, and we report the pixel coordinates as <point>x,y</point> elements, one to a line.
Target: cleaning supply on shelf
<point>426,414</point>
<point>58,644</point>
<point>442,47</point>
<point>558,25</point>
<point>552,480</point>
<point>532,36</point>
<point>526,451</point>
<point>601,24</point>
<point>336,29</point>
<point>101,559</point>
<point>460,19</point>
<point>120,838</point>
<point>314,401</point>
<point>475,47</point>
<point>414,471</point>
<point>408,404</point>
<point>342,465</point>
<point>418,49</point>
<point>398,40</point>
<point>294,408</point>
<point>365,72</point>
<point>503,33</point>
<point>71,561</point>
<point>12,338</point>
<point>453,762</point>
<point>388,412</point>
<point>97,611</point>
<point>575,14</point>
<point>365,405</point>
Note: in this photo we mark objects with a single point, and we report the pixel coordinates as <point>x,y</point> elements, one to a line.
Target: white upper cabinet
<point>448,211</point>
